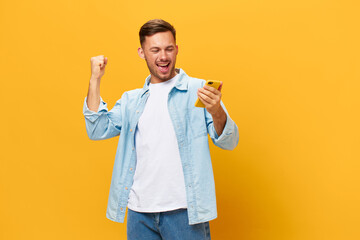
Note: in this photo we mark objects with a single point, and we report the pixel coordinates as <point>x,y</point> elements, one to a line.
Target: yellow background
<point>291,83</point>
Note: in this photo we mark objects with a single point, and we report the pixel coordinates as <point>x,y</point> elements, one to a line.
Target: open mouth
<point>163,67</point>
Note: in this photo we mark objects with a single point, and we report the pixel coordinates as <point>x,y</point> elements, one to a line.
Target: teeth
<point>163,65</point>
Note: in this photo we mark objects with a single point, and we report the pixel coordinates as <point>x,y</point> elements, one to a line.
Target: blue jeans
<point>171,225</point>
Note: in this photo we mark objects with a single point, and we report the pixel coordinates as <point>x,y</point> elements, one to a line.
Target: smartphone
<point>210,83</point>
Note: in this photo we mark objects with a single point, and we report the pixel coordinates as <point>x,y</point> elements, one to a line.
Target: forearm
<point>219,120</point>
<point>93,96</point>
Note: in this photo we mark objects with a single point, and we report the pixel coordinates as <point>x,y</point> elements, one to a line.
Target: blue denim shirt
<point>192,126</point>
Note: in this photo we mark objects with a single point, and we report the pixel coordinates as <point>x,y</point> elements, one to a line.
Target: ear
<point>141,53</point>
<point>177,49</point>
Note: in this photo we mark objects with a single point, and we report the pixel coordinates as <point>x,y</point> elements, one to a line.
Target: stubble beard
<point>154,73</point>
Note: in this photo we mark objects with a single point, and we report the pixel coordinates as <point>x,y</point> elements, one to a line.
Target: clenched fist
<point>98,64</point>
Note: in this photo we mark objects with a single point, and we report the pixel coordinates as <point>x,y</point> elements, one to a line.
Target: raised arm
<point>100,123</point>
<point>98,65</point>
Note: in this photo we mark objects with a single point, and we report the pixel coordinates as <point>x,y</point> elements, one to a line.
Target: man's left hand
<point>211,98</point>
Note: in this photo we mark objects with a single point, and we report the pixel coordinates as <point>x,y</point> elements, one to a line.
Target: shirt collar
<point>181,83</point>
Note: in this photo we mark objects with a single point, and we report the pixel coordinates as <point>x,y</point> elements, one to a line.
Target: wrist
<point>94,80</point>
<point>220,113</point>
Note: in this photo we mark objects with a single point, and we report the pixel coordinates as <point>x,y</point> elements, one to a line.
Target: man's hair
<point>154,26</point>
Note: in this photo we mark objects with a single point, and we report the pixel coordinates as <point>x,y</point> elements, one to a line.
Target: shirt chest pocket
<point>197,122</point>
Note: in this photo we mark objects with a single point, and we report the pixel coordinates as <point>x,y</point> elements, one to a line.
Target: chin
<point>165,77</point>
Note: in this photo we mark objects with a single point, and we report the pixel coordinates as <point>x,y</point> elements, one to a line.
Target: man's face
<point>159,51</point>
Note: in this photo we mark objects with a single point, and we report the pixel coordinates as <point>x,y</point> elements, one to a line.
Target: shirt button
<point>137,111</point>
<point>130,169</point>
<point>133,149</point>
<point>121,209</point>
<point>130,130</point>
<point>126,188</point>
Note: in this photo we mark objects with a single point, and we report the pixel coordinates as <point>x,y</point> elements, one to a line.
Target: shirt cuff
<point>91,115</point>
<point>228,129</point>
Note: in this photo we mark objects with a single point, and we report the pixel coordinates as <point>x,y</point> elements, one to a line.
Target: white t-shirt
<point>159,180</point>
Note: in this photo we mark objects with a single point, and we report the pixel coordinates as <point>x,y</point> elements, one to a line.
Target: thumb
<point>221,83</point>
<point>105,61</point>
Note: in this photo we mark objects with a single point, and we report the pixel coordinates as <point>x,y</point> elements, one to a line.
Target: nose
<point>163,56</point>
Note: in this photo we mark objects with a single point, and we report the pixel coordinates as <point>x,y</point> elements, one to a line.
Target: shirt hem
<point>156,209</point>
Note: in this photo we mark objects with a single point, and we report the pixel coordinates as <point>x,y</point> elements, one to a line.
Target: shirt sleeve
<point>229,137</point>
<point>103,124</point>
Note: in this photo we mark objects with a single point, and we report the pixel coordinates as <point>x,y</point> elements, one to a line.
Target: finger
<point>208,93</point>
<point>212,89</point>
<point>105,60</point>
<point>206,100</point>
<point>202,100</point>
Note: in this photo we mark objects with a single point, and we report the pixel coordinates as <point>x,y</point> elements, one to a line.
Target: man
<point>162,171</point>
